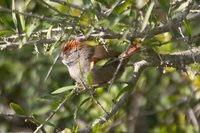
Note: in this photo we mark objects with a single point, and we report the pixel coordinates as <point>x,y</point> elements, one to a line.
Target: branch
<point>35,34</point>
<point>140,67</point>
<point>176,22</point>
<point>177,59</point>
<point>36,42</point>
<point>105,35</point>
<point>52,114</point>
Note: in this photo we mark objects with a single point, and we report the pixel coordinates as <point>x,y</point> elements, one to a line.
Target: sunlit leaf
<point>122,7</point>
<point>63,89</point>
<point>165,48</point>
<point>76,129</point>
<point>30,28</point>
<point>164,37</point>
<point>66,130</point>
<point>21,17</point>
<point>27,2</point>
<point>147,16</point>
<point>14,17</point>
<point>49,35</point>
<point>95,128</point>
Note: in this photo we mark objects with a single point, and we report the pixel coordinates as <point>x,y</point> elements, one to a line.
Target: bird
<point>82,59</point>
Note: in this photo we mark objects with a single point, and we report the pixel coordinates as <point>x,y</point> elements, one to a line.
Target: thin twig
<point>52,114</point>
<point>27,118</point>
<point>93,98</point>
<point>36,42</point>
<point>119,102</point>
<point>150,33</point>
<point>50,7</point>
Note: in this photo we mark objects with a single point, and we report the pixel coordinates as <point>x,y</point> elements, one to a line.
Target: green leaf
<point>63,89</point>
<point>32,27</point>
<point>5,23</point>
<point>76,129</point>
<point>67,130</point>
<point>89,79</point>
<point>21,17</point>
<point>18,109</point>
<point>96,128</point>
<point>124,6</point>
<point>165,5</point>
<point>41,121</point>
<point>88,33</point>
<point>118,18</point>
<point>14,16</point>
<point>83,102</point>
<point>147,16</point>
<point>187,27</point>
<point>5,32</point>
<point>27,2</point>
<point>101,63</point>
<point>125,89</point>
<point>53,46</point>
<point>69,96</point>
<point>49,35</point>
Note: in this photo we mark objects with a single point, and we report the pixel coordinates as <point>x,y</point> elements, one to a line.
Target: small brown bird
<point>78,57</point>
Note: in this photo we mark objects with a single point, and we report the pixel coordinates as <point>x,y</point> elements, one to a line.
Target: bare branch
<point>176,59</point>
<point>140,67</point>
<point>36,42</point>
<point>52,114</point>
